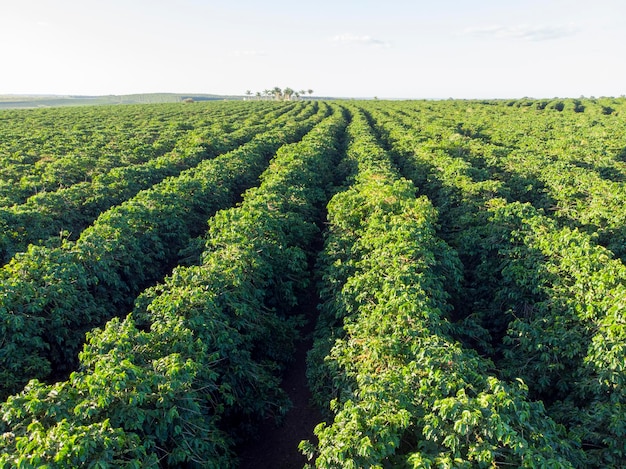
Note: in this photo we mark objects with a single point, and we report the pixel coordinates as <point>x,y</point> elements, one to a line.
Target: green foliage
<point>471,283</point>
<point>568,344</point>
<point>197,363</point>
<point>70,210</point>
<point>401,390</point>
<point>127,248</point>
<point>539,295</point>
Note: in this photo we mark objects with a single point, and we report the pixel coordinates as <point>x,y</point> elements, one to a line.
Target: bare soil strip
<point>277,446</point>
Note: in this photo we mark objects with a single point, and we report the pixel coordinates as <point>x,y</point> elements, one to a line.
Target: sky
<point>434,49</point>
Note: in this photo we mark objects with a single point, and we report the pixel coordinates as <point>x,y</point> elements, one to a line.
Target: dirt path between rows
<point>277,446</point>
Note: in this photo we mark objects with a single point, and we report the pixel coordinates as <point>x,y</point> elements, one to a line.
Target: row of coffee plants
<point>564,299</point>
<point>42,150</point>
<point>570,164</point>
<point>66,212</point>
<point>402,391</point>
<point>550,297</point>
<point>427,150</point>
<point>51,295</point>
<point>577,161</point>
<point>181,379</point>
<point>518,165</point>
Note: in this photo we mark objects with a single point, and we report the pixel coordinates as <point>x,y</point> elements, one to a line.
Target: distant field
<point>462,261</point>
<point>22,101</point>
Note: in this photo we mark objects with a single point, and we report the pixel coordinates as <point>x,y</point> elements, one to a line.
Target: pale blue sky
<point>388,49</point>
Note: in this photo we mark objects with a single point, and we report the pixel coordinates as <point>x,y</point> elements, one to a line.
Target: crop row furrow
<point>402,391</point>
<point>551,299</point>
<point>567,166</point>
<point>562,298</point>
<point>51,295</point>
<point>66,212</point>
<point>46,151</point>
<point>178,381</point>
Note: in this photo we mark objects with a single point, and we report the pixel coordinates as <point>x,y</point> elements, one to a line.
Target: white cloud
<point>524,32</point>
<point>361,40</point>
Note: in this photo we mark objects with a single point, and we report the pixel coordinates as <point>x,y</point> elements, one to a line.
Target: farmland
<point>465,260</point>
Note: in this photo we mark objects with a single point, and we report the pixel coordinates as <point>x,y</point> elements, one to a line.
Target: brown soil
<point>277,446</point>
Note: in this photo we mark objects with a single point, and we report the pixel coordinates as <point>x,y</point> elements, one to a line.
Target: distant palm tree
<point>267,93</point>
<point>248,93</point>
<point>258,95</point>
<point>278,93</point>
<point>287,93</point>
<point>310,92</point>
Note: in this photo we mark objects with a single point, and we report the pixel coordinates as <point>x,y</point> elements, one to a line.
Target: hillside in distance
<point>13,101</point>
